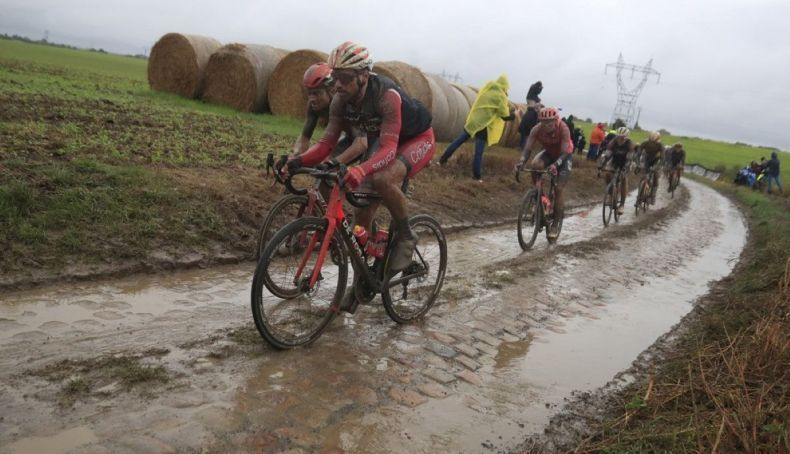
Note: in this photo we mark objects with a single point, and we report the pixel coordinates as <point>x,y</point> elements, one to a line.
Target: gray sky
<point>724,64</point>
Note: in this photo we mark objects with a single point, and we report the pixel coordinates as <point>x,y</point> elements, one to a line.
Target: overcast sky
<point>724,64</point>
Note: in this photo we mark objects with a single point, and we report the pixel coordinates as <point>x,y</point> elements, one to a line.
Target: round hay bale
<point>409,77</point>
<point>453,107</point>
<point>440,110</point>
<point>286,95</point>
<point>237,75</point>
<point>462,108</point>
<point>177,63</point>
<point>469,93</point>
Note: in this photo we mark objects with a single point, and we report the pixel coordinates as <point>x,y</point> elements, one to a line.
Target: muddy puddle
<point>488,367</point>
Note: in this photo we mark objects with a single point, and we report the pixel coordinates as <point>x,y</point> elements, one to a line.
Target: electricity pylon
<point>625,109</point>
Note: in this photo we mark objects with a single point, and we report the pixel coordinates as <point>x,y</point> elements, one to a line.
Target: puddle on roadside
<point>59,443</point>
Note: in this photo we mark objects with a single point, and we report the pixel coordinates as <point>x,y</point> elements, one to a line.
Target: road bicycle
<point>647,190</point>
<point>297,203</point>
<point>536,211</point>
<point>612,194</point>
<point>674,180</point>
<point>307,262</point>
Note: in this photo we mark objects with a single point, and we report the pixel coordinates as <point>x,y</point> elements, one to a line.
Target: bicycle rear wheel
<point>609,203</point>
<point>410,293</point>
<point>529,220</point>
<point>283,211</point>
<point>288,262</point>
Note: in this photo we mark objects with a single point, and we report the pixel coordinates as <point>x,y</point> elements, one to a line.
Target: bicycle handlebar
<point>357,199</point>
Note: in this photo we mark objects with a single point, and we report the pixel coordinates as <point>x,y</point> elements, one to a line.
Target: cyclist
<point>618,154</point>
<point>318,83</point>
<point>650,159</point>
<point>398,140</point>
<point>677,160</point>
<point>554,137</point>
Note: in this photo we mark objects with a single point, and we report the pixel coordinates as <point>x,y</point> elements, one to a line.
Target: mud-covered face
<point>549,125</point>
<point>318,98</point>
<point>349,83</point>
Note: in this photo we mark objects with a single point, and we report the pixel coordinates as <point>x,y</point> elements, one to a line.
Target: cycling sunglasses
<point>343,77</point>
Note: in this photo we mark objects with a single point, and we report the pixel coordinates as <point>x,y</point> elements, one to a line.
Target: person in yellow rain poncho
<point>486,122</point>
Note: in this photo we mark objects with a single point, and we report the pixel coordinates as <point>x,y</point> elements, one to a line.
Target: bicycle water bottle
<point>361,235</point>
<point>378,244</point>
<point>546,203</point>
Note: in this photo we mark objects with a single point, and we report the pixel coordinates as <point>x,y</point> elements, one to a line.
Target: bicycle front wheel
<point>409,294</point>
<point>529,220</point>
<point>609,203</point>
<point>284,210</point>
<point>288,262</point>
<point>641,198</point>
<point>617,198</point>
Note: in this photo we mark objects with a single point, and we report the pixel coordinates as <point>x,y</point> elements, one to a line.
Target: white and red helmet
<point>350,55</point>
<point>548,113</point>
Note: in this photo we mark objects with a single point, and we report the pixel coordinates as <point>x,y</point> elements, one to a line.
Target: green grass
<point>712,154</point>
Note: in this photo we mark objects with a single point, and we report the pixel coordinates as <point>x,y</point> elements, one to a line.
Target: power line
<point>625,109</point>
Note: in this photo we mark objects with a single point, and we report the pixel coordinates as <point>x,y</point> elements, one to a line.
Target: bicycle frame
<point>337,221</point>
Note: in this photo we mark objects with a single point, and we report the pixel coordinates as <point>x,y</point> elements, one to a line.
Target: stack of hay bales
<point>237,75</point>
<point>256,78</point>
<point>286,95</point>
<point>177,63</point>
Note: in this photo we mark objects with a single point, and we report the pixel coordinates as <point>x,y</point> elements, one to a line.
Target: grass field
<point>711,154</point>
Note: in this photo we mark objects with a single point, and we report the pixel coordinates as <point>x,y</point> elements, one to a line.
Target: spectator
<point>485,122</point>
<point>530,118</point>
<point>596,137</point>
<point>580,141</point>
<point>772,172</point>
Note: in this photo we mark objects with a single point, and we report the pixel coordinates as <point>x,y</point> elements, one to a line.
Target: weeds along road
<point>173,362</point>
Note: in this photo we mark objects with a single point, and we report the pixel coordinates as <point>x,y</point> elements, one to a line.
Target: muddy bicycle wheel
<point>410,293</point>
<point>559,230</point>
<point>641,198</point>
<point>617,199</point>
<point>673,184</point>
<point>283,211</point>
<point>529,220</point>
<point>289,264</point>
<point>609,203</point>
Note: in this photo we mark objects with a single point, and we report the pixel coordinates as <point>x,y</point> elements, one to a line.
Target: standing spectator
<point>596,137</point>
<point>581,142</point>
<point>530,118</point>
<point>571,127</point>
<point>486,122</point>
<point>771,170</point>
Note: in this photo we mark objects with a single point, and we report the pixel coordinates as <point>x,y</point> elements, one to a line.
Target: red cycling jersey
<point>557,142</point>
<point>380,117</point>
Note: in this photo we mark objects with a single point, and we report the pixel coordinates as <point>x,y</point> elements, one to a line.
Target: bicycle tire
<point>641,198</point>
<point>277,319</point>
<point>430,254</point>
<point>608,203</point>
<point>673,184</point>
<point>617,199</point>
<point>529,218</point>
<point>279,212</point>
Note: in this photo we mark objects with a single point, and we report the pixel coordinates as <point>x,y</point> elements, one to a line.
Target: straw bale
<point>286,95</point>
<point>177,63</point>
<point>440,109</point>
<point>409,78</point>
<point>237,75</point>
